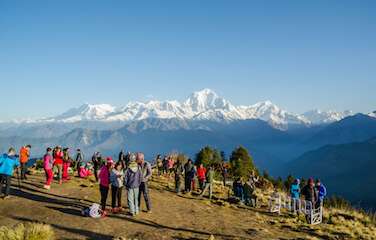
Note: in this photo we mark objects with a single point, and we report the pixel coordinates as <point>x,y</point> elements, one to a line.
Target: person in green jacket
<point>209,182</point>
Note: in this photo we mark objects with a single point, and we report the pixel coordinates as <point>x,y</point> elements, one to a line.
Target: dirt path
<point>173,217</point>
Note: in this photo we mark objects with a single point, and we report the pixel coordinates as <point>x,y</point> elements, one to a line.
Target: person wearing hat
<point>104,183</point>
<point>132,182</point>
<point>7,164</point>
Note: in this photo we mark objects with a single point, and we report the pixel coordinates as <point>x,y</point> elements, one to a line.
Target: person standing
<point>117,183</point>
<point>159,164</point>
<point>321,191</point>
<point>7,164</point>
<point>201,175</point>
<point>295,195</point>
<point>188,175</point>
<point>179,172</point>
<point>79,161</point>
<point>58,162</point>
<point>66,163</point>
<point>48,164</point>
<point>209,182</point>
<point>132,182</point>
<point>224,174</point>
<point>146,175</point>
<point>122,159</point>
<point>24,158</point>
<point>104,183</point>
<point>96,164</point>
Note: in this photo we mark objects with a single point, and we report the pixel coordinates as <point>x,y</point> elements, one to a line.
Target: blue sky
<point>301,55</point>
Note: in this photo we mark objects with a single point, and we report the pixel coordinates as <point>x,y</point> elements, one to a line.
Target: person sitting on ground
<point>321,191</point>
<point>188,175</point>
<point>85,169</point>
<point>7,164</point>
<point>104,183</point>
<point>146,175</point>
<point>201,175</point>
<point>179,172</point>
<point>238,190</point>
<point>24,158</point>
<point>117,183</point>
<point>132,182</point>
<point>250,196</point>
<point>209,183</point>
<point>48,164</point>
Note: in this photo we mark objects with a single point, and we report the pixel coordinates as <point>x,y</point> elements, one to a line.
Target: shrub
<point>209,157</point>
<point>29,231</point>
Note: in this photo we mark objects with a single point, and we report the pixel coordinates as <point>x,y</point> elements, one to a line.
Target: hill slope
<point>346,169</point>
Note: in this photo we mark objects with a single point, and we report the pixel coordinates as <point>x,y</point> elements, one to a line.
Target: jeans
<point>133,200</point>
<point>116,196</point>
<point>5,180</point>
<point>104,194</point>
<point>208,186</point>
<point>144,190</point>
<point>23,170</point>
<point>59,172</point>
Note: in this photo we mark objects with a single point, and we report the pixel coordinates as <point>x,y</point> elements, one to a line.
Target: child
<point>48,163</point>
<point>104,183</point>
<point>117,181</point>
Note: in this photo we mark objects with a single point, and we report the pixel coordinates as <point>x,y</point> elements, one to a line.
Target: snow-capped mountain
<point>323,117</point>
<point>204,105</point>
<point>372,114</point>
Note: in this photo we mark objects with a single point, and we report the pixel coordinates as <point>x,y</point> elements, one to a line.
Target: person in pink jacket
<point>48,163</point>
<point>104,183</point>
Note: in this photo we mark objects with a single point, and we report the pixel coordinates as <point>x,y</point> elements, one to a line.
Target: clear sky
<point>301,55</point>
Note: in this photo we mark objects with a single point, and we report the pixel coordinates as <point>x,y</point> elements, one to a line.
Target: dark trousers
<point>188,184</point>
<point>144,190</point>
<point>116,196</point>
<point>23,171</point>
<point>5,183</point>
<point>104,194</point>
<point>96,168</point>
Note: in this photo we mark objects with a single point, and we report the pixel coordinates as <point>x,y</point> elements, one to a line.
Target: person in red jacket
<point>58,162</point>
<point>201,175</point>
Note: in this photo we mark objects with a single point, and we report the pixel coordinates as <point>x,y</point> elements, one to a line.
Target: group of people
<point>245,190</point>
<point>312,192</point>
<point>133,175</point>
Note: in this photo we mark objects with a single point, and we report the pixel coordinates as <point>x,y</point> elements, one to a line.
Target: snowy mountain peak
<point>206,99</point>
<point>88,112</point>
<point>318,116</point>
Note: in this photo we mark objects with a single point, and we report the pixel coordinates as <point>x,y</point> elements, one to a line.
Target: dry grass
<point>29,231</point>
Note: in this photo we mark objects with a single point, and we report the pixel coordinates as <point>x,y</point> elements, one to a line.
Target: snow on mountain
<point>372,114</point>
<point>322,117</point>
<point>201,105</point>
<point>86,112</point>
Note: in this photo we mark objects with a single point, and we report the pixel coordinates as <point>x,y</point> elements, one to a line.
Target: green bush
<point>241,163</point>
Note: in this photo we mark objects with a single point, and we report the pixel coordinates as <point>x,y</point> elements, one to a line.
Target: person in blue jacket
<point>7,164</point>
<point>321,190</point>
<point>295,195</point>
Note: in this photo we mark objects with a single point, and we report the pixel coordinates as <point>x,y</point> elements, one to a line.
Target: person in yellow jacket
<point>24,158</point>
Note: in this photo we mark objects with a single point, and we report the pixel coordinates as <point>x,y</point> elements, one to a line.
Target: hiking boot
<point>149,212</point>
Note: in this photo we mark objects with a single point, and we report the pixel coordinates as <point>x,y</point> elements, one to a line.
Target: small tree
<point>208,157</point>
<point>241,163</point>
<point>289,180</point>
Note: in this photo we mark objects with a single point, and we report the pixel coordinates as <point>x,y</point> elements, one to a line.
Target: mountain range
<point>279,141</point>
<point>202,105</point>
